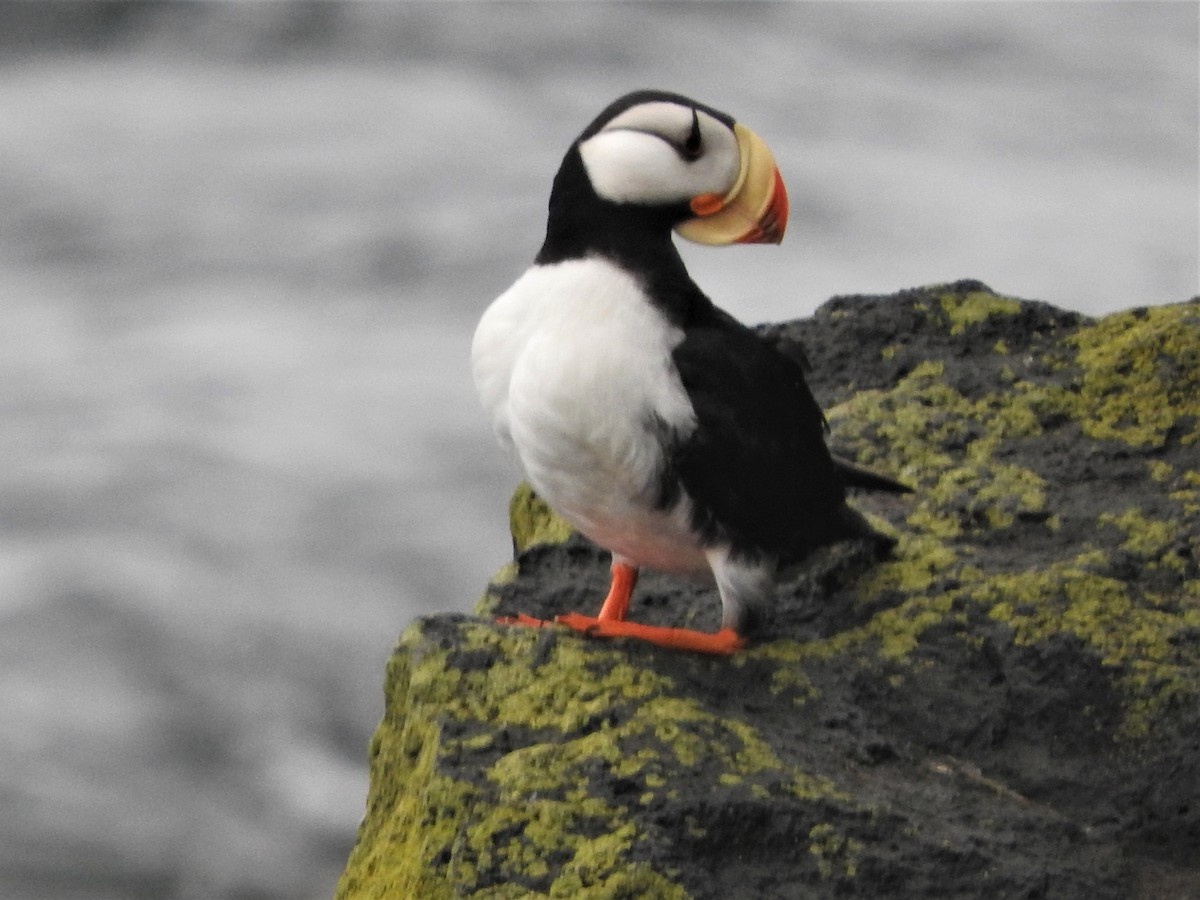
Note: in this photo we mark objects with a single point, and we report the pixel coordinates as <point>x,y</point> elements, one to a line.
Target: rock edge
<point>1008,707</point>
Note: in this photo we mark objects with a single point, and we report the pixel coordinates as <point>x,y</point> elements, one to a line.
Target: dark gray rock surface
<point>1008,706</point>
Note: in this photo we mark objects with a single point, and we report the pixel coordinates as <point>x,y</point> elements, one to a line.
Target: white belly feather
<point>574,368</point>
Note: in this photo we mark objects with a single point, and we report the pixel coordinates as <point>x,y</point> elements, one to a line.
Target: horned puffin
<point>652,421</point>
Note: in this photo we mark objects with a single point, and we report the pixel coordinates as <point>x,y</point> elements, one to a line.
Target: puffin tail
<point>854,526</point>
<point>853,475</point>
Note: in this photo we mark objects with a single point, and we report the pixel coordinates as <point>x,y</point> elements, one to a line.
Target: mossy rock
<point>1009,706</point>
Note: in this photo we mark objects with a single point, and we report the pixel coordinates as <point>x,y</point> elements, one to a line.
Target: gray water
<point>242,250</point>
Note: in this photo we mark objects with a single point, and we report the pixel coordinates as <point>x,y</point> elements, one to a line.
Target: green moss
<point>835,853</point>
<point>964,310</point>
<point>1160,471</point>
<point>946,444</point>
<point>1134,377</point>
<point>784,659</point>
<point>1141,375</point>
<point>918,559</point>
<point>791,681</point>
<point>1155,541</point>
<point>398,827</point>
<point>898,630</point>
<point>530,823</point>
<point>533,820</point>
<point>636,882</point>
<point>532,522</point>
<point>1139,635</point>
<point>1185,491</point>
<point>540,828</point>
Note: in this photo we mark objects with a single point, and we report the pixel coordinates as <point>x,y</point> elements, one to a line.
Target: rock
<point>1008,707</point>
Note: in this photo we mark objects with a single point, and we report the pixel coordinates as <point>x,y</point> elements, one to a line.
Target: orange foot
<point>611,622</point>
<point>724,642</point>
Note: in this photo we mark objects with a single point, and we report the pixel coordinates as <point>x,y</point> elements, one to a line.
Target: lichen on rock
<point>1008,706</point>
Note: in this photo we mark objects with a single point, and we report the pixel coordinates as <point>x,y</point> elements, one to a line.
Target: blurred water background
<point>242,250</point>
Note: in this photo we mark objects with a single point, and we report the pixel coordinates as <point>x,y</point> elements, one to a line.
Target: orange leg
<point>614,608</point>
<point>611,622</point>
<point>616,604</point>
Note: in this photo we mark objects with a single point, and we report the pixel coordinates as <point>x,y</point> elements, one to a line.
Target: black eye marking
<point>693,147</point>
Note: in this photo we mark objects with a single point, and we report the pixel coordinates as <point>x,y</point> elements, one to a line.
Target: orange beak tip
<point>780,206</point>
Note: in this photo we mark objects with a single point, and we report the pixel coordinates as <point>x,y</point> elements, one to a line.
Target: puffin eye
<point>692,148</point>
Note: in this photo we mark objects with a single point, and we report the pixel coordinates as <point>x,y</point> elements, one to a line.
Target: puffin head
<point>661,150</point>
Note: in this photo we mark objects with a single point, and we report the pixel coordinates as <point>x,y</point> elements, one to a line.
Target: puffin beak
<point>754,211</point>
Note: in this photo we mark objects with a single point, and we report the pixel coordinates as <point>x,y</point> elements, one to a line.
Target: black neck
<point>637,238</point>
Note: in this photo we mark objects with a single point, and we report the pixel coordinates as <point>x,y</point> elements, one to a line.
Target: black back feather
<point>756,467</point>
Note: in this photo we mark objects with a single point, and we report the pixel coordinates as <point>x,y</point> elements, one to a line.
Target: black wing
<point>756,466</point>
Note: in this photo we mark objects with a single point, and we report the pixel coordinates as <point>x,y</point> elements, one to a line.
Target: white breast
<point>573,366</point>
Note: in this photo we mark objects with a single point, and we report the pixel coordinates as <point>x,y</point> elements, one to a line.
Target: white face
<point>644,156</point>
